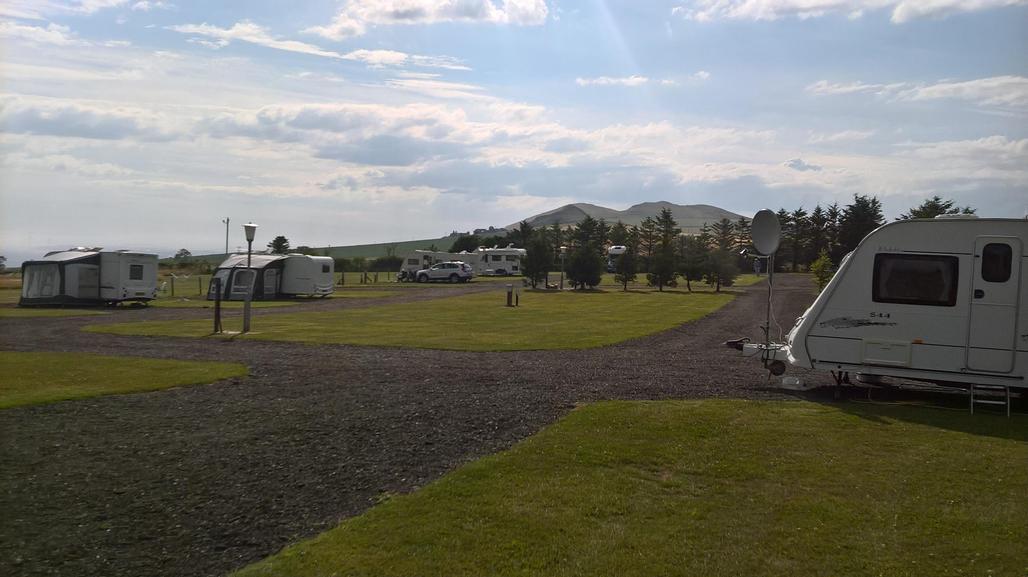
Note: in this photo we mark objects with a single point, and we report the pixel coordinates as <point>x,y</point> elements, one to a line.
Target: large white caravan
<point>941,300</point>
<point>273,276</point>
<point>485,261</point>
<point>88,276</point>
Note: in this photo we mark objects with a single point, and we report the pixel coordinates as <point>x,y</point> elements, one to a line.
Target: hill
<point>689,216</point>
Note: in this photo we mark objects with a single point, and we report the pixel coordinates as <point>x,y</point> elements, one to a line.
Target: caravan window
<point>324,268</point>
<point>915,279</point>
<point>996,259</point>
<point>511,258</point>
<point>497,258</point>
<point>135,272</point>
<point>413,261</point>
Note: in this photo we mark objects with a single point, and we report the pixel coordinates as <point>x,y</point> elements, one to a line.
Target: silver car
<point>453,271</point>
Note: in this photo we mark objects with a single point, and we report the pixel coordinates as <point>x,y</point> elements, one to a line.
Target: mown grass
<point>711,488</point>
<point>35,378</point>
<point>476,322</point>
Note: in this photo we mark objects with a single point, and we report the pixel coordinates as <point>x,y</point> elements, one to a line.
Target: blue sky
<point>141,124</point>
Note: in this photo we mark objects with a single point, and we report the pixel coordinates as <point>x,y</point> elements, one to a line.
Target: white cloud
<point>996,91</point>
<point>148,5</point>
<point>28,115</point>
<point>382,58</point>
<point>902,10</point>
<point>801,165</point>
<point>246,31</point>
<point>843,136</point>
<point>1009,91</point>
<point>356,15</point>
<point>52,34</point>
<point>633,80</point>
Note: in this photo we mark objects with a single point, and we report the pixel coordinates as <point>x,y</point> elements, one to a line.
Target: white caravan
<point>273,276</point>
<point>484,261</point>
<point>940,300</point>
<point>88,276</point>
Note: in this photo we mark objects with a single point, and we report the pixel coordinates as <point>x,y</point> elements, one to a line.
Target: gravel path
<point>202,480</point>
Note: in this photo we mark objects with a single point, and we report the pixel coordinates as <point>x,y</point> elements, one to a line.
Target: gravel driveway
<point>202,480</point>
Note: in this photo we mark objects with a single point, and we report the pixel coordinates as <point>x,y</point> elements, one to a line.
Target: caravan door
<point>995,291</point>
<point>270,283</point>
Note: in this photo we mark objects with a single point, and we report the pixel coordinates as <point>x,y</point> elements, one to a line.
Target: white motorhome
<point>941,300</point>
<point>484,261</point>
<point>273,276</point>
<point>88,276</point>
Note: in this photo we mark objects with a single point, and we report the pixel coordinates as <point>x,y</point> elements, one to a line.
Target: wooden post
<point>173,285</point>
<point>217,305</point>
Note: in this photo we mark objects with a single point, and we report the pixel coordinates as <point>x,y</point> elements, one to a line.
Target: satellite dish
<point>766,232</point>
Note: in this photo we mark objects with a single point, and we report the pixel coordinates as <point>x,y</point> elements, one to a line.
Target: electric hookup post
<point>513,296</point>
<point>217,305</point>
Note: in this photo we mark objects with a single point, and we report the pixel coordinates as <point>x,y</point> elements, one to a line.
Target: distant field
<point>34,378</point>
<point>708,488</point>
<point>476,322</point>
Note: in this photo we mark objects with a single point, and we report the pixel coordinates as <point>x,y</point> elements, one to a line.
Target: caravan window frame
<point>883,260</point>
<point>135,272</point>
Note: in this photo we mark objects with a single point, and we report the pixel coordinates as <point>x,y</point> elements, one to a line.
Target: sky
<point>142,124</point>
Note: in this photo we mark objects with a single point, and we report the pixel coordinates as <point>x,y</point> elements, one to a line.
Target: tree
<point>466,242</point>
<point>822,269</point>
<point>663,267</point>
<point>585,267</point>
<point>539,260</point>
<point>721,269</point>
<point>522,235</point>
<point>784,221</point>
<point>3,263</point>
<point>833,215</point>
<point>817,231</point>
<point>796,236</point>
<point>386,264</point>
<point>934,207</point>
<point>183,254</point>
<point>647,241</point>
<point>625,267</point>
<point>723,233</point>
<point>279,245</point>
<point>858,219</point>
<point>618,234</point>
<point>693,261</point>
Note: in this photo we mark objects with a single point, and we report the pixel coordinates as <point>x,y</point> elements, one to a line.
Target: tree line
<point>657,248</point>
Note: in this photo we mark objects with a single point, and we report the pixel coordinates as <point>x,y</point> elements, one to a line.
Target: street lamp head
<point>250,229</point>
<point>563,250</point>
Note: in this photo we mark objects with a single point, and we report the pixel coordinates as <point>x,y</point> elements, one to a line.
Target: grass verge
<point>35,378</point>
<point>475,322</point>
<point>708,488</point>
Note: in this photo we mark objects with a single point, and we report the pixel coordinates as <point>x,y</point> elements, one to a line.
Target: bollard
<point>172,285</point>
<point>199,285</point>
<point>517,296</point>
<point>217,305</point>
<point>510,295</point>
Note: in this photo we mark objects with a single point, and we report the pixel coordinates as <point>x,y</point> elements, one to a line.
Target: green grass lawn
<point>478,322</point>
<point>708,488</point>
<point>34,378</point>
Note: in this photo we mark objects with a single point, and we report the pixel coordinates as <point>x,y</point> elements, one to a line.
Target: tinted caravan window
<point>996,259</point>
<point>135,272</point>
<point>915,279</point>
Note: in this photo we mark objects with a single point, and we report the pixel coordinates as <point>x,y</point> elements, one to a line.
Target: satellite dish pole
<point>767,232</point>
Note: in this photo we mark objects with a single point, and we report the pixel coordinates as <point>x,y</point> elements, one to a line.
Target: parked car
<point>454,271</point>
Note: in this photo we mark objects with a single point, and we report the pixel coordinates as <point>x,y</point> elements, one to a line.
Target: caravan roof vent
<point>956,216</point>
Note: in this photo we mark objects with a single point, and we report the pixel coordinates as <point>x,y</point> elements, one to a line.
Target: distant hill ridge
<point>689,216</point>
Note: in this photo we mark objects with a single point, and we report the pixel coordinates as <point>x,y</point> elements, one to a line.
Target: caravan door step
<point>990,391</point>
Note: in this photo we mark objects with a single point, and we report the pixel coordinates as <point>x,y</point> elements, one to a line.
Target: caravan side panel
<point>128,276</point>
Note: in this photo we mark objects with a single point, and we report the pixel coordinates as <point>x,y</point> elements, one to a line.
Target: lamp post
<point>250,229</point>
<point>563,253</point>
